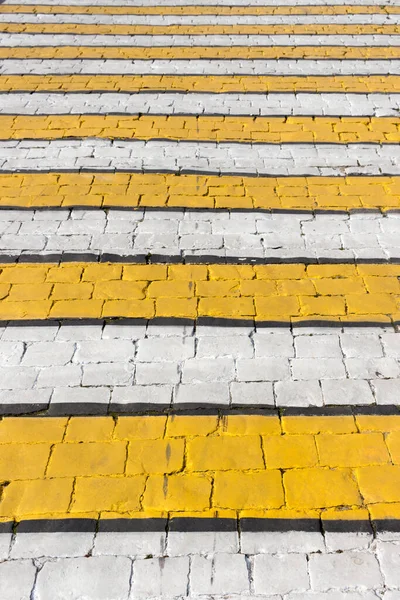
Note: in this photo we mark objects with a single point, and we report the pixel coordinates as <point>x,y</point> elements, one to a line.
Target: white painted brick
<point>27,333</point>
<point>17,579</point>
<point>387,391</point>
<point>252,393</point>
<point>155,373</point>
<point>11,353</point>
<point>219,574</point>
<point>47,354</point>
<point>204,370</point>
<point>339,541</point>
<point>280,574</point>
<point>234,346</point>
<point>298,393</point>
<point>159,349</point>
<point>272,542</point>
<point>344,570</point>
<point>391,344</point>
<point>15,378</point>
<point>108,374</point>
<point>75,333</point>
<point>142,394</point>
<point>202,393</point>
<point>262,369</point>
<point>84,395</point>
<point>273,345</point>
<point>54,544</point>
<point>389,558</point>
<point>346,391</point>
<point>320,346</point>
<point>91,578</point>
<point>129,543</point>
<point>107,351</point>
<point>160,577</point>
<point>314,368</point>
<point>371,368</point>
<point>202,542</point>
<point>67,375</point>
<point>357,346</point>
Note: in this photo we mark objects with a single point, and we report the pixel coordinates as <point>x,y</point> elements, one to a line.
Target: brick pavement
<point>199,300</point>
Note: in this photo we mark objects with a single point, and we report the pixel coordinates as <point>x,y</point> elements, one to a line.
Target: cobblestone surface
<point>378,105</point>
<point>185,233</point>
<point>235,366</point>
<point>228,158</point>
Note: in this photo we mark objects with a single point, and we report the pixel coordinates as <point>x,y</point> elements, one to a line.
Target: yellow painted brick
<point>32,429</point>
<point>390,510</point>
<point>258,287</point>
<point>187,272</point>
<point>182,425</point>
<point>320,488</point>
<point>313,425</point>
<point>277,306</point>
<point>281,271</point>
<point>21,291</point>
<point>128,308</point>
<point>4,290</point>
<point>72,291</point>
<point>226,307</point>
<point>224,452</point>
<point>36,497</point>
<point>335,270</point>
<point>322,305</point>
<point>171,289</point>
<point>393,443</point>
<point>183,492</point>
<point>31,309</point>
<point>221,288</point>
<point>251,425</point>
<point>371,303</point>
<point>145,272</point>
<point>352,450</point>
<point>385,270</point>
<point>177,307</point>
<point>146,428</point>
<point>86,429</point>
<point>155,456</point>
<point>345,514</point>
<point>23,461</point>
<point>121,290</point>
<point>23,274</point>
<point>238,490</point>
<point>296,287</point>
<point>379,483</point>
<point>231,272</point>
<point>289,451</point>
<point>385,285</point>
<point>339,286</point>
<point>77,308</point>
<point>73,459</point>
<point>102,272</point>
<point>118,494</point>
<point>64,274</point>
<point>384,423</point>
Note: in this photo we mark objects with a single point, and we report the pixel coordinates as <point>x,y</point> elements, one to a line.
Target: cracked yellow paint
<point>100,29</point>
<point>188,52</point>
<point>256,292</point>
<point>272,130</point>
<point>146,466</point>
<point>201,83</point>
<point>35,190</point>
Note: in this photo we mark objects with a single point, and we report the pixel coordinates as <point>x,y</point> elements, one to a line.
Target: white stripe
<point>137,364</point>
<point>155,20</point>
<point>270,159</point>
<point>350,105</point>
<point>149,41</point>
<point>280,67</point>
<point>153,565</point>
<point>187,233</point>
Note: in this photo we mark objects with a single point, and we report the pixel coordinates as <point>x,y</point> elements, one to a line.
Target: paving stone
<point>160,577</point>
<point>17,579</point>
<point>221,574</point>
<point>280,574</point>
<point>344,570</point>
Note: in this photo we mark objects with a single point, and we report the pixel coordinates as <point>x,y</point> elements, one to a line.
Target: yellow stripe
<point>200,83</point>
<point>284,292</point>
<point>200,466</point>
<point>198,191</point>
<point>73,28</point>
<point>273,130</point>
<point>182,52</point>
<point>199,10</point>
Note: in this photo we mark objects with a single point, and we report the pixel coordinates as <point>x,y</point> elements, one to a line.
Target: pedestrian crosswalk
<point>199,300</point>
